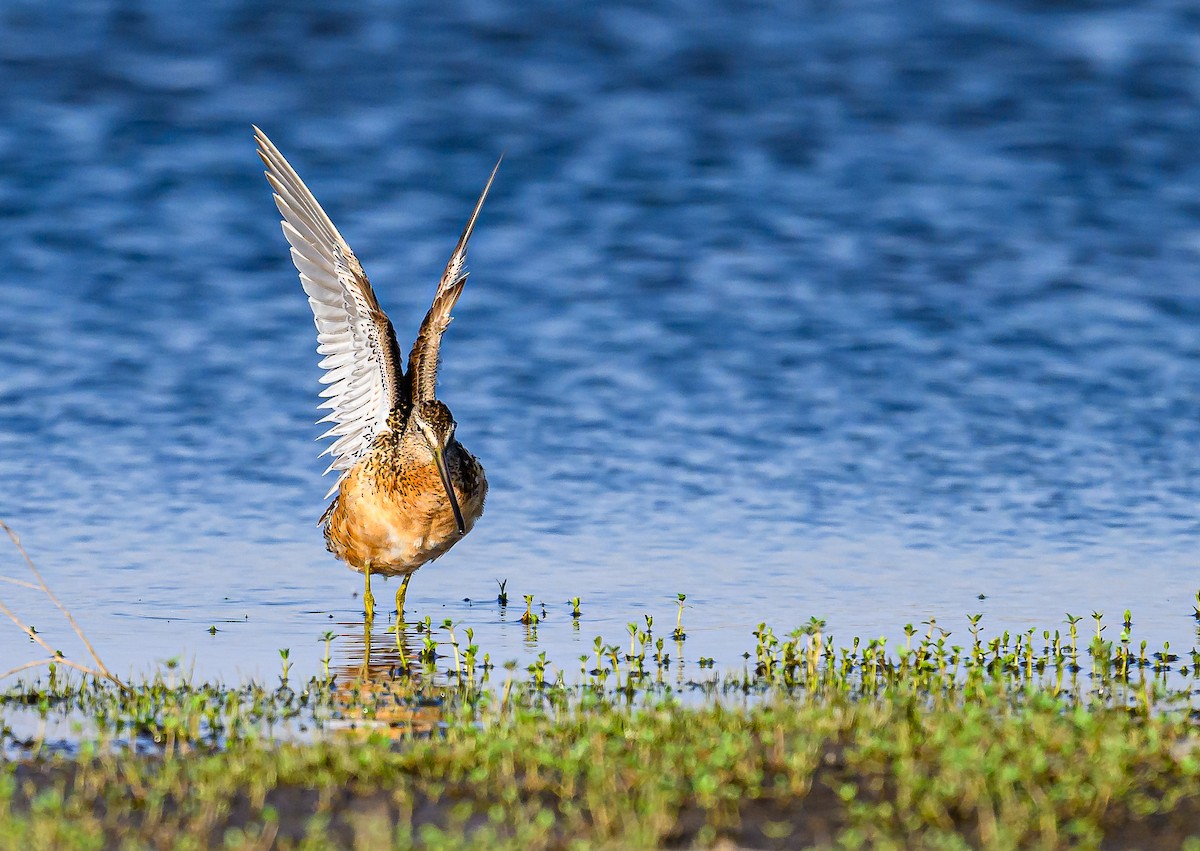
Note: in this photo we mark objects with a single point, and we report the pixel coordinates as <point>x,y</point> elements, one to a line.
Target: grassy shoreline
<point>1013,741</point>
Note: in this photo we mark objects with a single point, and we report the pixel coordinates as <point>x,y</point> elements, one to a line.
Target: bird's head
<point>435,425</point>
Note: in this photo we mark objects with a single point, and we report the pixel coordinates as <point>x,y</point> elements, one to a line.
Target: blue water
<point>857,311</point>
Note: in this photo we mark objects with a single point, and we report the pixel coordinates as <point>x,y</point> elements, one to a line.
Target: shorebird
<point>407,489</point>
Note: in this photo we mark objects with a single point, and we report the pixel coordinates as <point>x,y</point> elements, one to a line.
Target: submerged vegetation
<point>1031,739</point>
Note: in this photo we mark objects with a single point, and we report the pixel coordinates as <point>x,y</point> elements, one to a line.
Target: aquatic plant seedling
<point>529,617</point>
<point>448,625</point>
<point>470,654</point>
<point>537,668</point>
<point>502,597</point>
<point>327,637</point>
<point>428,653</point>
<point>284,653</point>
<point>679,634</point>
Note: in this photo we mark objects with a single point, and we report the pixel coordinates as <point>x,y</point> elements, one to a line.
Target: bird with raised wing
<point>407,490</point>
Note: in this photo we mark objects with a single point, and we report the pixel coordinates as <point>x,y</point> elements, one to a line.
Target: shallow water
<point>851,312</point>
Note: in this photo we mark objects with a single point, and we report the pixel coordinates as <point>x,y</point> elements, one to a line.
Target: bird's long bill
<point>445,473</point>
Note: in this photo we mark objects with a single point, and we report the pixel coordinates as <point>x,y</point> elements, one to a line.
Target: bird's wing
<point>361,358</point>
<point>423,359</point>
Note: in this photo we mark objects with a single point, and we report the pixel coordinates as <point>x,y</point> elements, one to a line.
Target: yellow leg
<point>400,592</point>
<point>368,597</point>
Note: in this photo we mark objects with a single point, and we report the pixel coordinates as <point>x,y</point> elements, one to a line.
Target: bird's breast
<point>397,519</point>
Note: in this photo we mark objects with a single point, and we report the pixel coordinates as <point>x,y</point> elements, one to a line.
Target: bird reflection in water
<point>379,670</point>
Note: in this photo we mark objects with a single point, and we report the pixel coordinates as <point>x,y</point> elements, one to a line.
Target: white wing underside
<point>352,332</point>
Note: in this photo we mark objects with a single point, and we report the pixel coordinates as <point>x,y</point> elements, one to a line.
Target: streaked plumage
<point>407,490</point>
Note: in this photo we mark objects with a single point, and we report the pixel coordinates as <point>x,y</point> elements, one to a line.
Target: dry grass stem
<point>100,669</point>
<point>19,582</point>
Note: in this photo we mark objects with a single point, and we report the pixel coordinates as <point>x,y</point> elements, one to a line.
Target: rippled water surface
<point>858,311</point>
